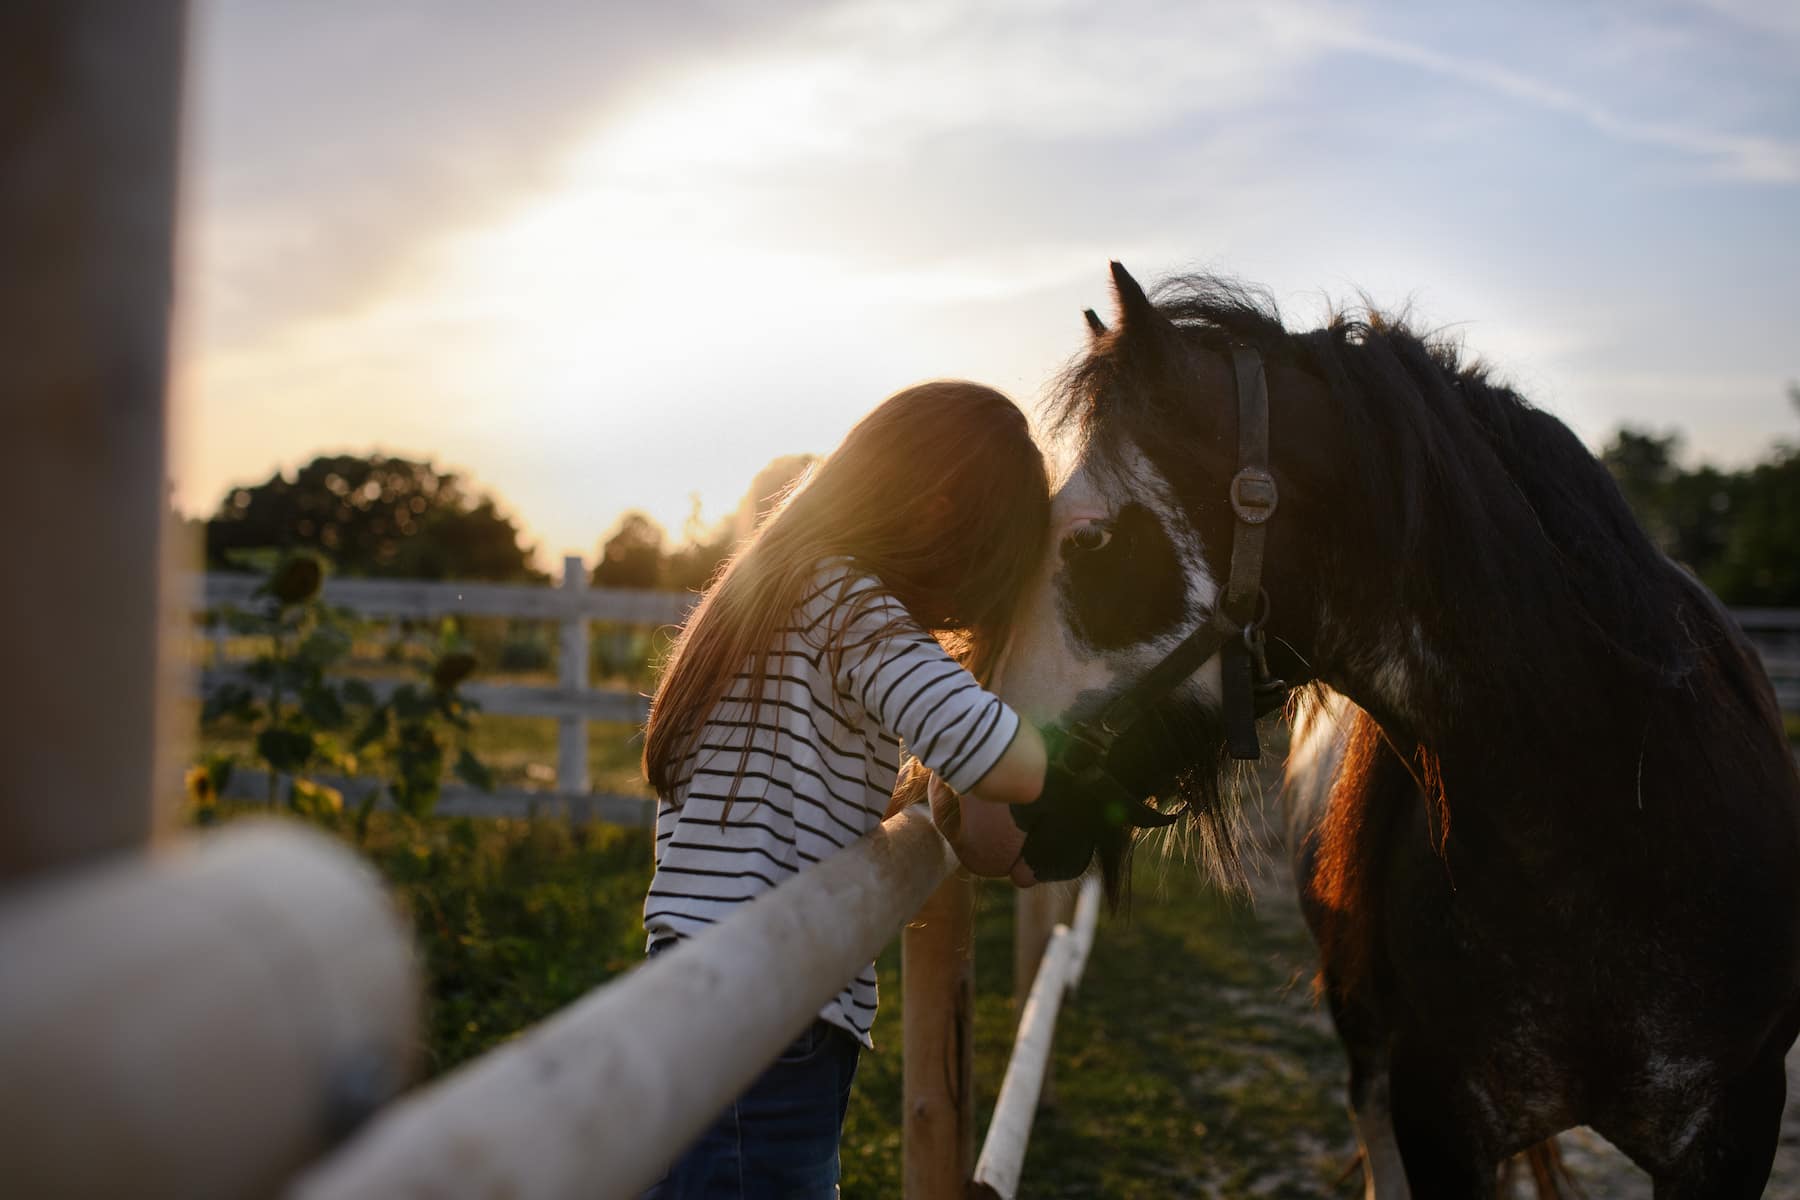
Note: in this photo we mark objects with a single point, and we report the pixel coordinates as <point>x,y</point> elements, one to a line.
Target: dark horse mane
<point>1483,499</point>
<point>1471,505</point>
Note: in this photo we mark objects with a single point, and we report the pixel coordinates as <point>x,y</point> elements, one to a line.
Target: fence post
<point>87,207</point>
<point>937,975</point>
<point>571,731</point>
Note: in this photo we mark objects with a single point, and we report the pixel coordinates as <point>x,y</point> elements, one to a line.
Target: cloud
<point>1742,156</point>
<point>330,143</point>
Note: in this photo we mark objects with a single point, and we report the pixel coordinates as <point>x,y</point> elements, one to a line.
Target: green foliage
<point>635,555</point>
<point>372,515</point>
<point>626,653</point>
<point>524,651</point>
<point>1739,531</point>
<point>302,719</point>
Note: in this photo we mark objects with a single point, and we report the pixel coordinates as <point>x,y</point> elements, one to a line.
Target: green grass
<point>1190,1062</point>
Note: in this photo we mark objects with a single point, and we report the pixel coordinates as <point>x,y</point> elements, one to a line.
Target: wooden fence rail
<point>599,1099</point>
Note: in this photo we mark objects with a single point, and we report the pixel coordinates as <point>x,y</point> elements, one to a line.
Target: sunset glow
<point>607,267</point>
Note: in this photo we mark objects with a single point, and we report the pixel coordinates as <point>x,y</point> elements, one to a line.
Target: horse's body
<point>1550,844</point>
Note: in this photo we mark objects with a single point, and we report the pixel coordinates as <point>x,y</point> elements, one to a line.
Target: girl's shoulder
<point>843,588</point>
<point>840,578</point>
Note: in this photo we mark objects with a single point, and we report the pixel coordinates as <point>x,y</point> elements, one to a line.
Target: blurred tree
<point>1739,531</point>
<point>1759,564</point>
<point>633,556</point>
<point>705,549</point>
<point>1643,465</point>
<point>768,489</point>
<point>373,516</point>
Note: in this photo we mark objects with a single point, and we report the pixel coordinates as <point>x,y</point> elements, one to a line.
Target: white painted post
<point>571,731</point>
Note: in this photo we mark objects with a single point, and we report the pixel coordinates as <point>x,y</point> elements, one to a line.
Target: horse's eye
<point>1088,538</point>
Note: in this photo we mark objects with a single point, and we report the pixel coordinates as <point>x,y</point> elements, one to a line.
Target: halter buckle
<point>1254,495</point>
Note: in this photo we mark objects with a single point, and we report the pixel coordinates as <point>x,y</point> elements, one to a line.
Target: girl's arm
<point>1018,775</point>
<point>969,739</point>
<point>986,839</point>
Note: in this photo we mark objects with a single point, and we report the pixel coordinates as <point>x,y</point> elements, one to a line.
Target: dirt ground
<point>1603,1172</point>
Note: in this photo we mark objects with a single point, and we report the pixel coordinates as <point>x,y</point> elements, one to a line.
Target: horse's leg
<point>1731,1154</point>
<point>1365,1045</point>
<point>1384,1175</point>
<point>1436,1131</point>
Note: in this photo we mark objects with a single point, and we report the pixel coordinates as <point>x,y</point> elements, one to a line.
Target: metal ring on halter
<point>1253,628</point>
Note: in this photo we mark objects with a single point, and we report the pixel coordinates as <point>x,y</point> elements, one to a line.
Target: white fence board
<point>570,701</point>
<point>434,598</point>
<point>502,699</point>
<point>1003,1151</point>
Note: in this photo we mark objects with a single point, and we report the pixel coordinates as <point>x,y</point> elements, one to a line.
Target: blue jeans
<point>780,1138</point>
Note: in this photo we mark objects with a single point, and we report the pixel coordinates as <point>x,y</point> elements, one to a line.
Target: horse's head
<point>1143,548</point>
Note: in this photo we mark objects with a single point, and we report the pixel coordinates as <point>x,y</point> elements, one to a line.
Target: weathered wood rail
<point>599,1099</point>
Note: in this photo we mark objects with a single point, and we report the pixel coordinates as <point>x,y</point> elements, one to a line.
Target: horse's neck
<point>1428,691</point>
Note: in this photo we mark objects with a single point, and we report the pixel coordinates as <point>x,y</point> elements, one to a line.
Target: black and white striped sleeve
<point>919,694</point>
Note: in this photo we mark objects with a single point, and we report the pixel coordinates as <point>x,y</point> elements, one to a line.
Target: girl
<point>777,730</point>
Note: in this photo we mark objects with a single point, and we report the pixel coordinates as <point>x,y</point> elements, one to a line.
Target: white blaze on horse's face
<point>1057,663</point>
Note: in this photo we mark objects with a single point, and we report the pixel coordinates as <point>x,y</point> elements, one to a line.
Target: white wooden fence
<point>572,701</point>
<point>1775,632</point>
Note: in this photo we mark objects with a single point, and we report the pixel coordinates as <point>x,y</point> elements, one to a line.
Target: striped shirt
<point>823,754</point>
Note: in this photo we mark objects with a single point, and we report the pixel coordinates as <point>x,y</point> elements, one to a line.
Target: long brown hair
<point>939,493</point>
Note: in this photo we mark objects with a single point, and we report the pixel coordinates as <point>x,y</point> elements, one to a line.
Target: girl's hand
<point>986,839</point>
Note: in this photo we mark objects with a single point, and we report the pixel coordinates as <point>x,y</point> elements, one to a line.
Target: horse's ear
<point>1135,309</point>
<point>1140,329</point>
<point>1095,325</point>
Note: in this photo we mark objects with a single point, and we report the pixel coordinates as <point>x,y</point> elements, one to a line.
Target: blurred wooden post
<point>199,1022</point>
<point>937,975</point>
<point>91,92</point>
<point>571,731</point>
<point>1036,914</point>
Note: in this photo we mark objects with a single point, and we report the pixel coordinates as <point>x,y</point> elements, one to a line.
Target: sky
<point>606,256</point>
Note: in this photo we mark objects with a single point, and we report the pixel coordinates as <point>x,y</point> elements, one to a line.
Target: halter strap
<point>1233,629</point>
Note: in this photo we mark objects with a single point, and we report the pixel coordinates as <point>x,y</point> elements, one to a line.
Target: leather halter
<point>1233,629</point>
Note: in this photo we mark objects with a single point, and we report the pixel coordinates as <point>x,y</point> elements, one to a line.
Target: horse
<point>1545,821</point>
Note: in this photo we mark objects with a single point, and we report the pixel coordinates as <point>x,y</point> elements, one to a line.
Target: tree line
<point>382,517</point>
<point>385,517</point>
<point>1739,531</point>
